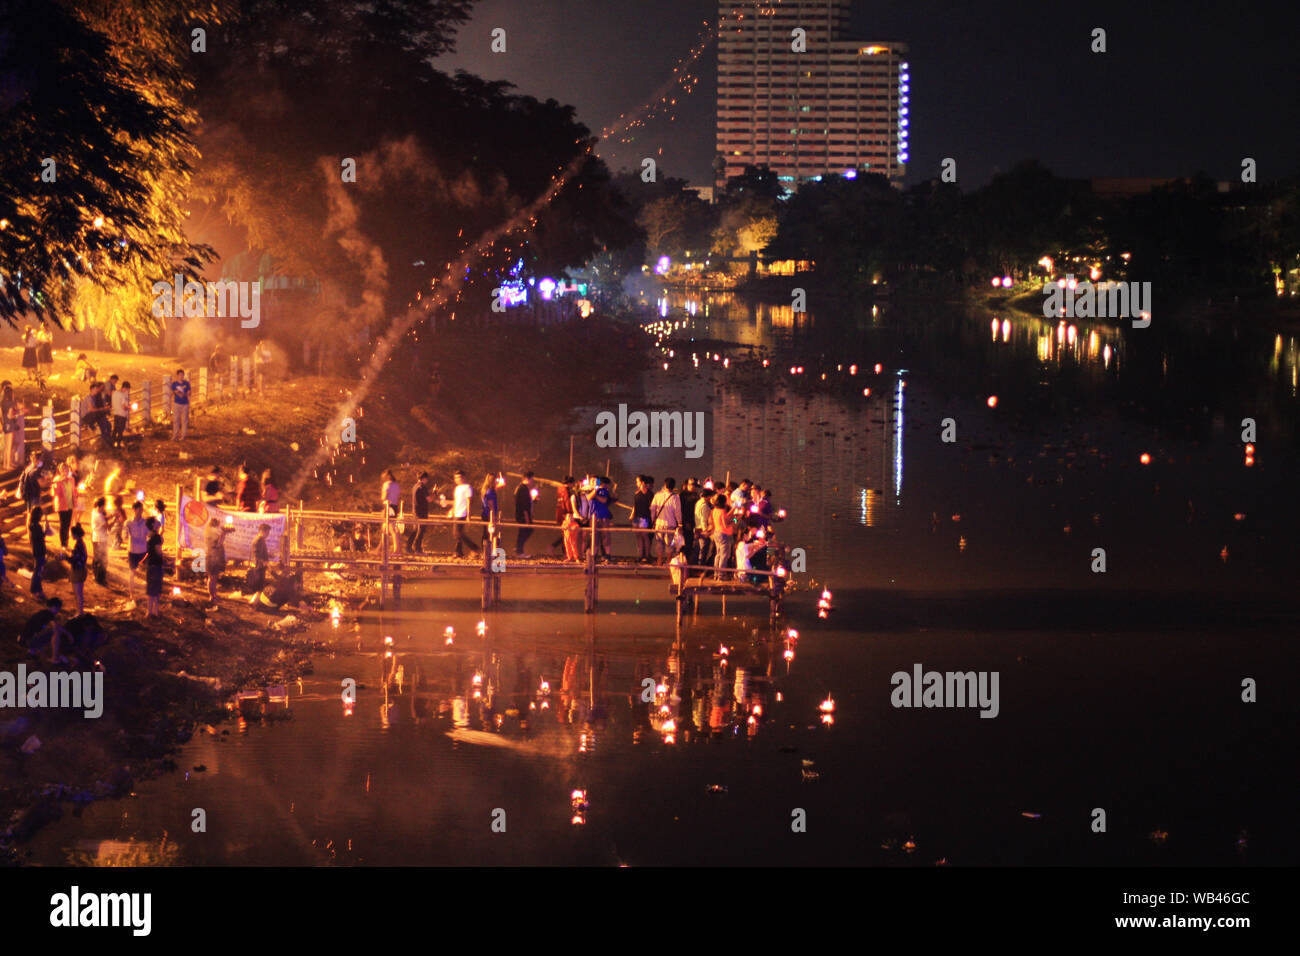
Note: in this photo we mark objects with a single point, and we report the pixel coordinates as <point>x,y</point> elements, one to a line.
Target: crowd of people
<point>113,525</point>
<point>727,526</point>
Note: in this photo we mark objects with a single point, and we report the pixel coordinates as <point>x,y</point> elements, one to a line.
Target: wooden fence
<point>59,431</point>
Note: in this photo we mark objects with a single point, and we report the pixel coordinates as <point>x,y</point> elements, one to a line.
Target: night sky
<point>1182,87</point>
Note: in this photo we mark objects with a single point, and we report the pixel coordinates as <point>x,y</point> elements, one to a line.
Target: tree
<point>756,182</point>
<point>93,154</point>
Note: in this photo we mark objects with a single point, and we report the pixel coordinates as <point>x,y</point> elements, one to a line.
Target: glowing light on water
<point>898,441</point>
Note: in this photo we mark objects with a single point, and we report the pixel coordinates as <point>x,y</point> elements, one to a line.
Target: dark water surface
<point>1118,690</point>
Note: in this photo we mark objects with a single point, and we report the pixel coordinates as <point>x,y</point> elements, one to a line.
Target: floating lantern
<point>1145,458</point>
<point>993,401</point>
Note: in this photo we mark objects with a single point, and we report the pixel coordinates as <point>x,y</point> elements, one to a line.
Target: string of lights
<point>450,286</point>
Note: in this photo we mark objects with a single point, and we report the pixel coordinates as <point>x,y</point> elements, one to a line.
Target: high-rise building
<point>807,103</point>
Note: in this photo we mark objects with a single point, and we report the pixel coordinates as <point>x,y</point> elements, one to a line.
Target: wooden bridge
<point>305,547</point>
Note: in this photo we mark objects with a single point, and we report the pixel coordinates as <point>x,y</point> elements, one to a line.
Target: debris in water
<point>31,745</point>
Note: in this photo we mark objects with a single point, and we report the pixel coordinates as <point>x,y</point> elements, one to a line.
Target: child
<point>677,569</point>
<point>77,567</point>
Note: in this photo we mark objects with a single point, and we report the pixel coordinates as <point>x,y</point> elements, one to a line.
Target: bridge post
<point>486,601</point>
<point>496,576</point>
<point>383,559</point>
<point>589,603</point>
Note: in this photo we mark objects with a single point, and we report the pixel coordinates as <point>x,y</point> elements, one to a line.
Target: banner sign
<point>243,528</point>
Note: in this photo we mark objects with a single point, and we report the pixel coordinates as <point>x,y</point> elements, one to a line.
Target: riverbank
<point>483,407</point>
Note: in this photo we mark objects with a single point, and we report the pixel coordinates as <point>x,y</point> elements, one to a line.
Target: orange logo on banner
<point>196,514</point>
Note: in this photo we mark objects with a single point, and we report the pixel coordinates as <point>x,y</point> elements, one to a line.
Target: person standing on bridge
<point>641,517</point>
<point>420,507</point>
<point>390,496</point>
<point>704,527</point>
<point>666,509</point>
<point>491,510</point>
<point>724,534</point>
<point>602,498</point>
<point>524,495</point>
<point>689,497</point>
<point>462,497</point>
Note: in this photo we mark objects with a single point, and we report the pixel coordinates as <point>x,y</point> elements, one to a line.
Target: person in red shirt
<point>247,492</point>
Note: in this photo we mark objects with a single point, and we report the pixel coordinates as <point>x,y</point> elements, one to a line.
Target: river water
<point>1118,691</point>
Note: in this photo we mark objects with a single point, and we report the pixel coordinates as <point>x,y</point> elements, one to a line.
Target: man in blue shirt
<point>180,390</point>
<point>601,497</point>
